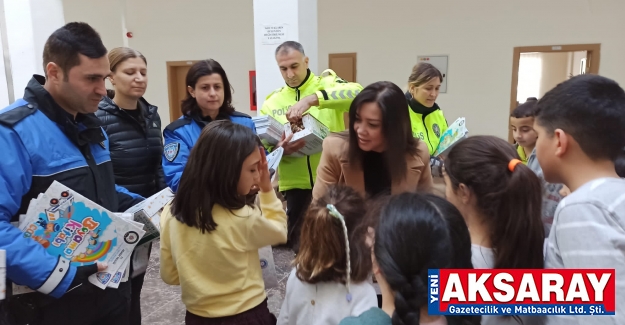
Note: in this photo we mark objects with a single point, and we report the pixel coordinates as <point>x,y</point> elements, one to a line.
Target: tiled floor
<point>160,303</point>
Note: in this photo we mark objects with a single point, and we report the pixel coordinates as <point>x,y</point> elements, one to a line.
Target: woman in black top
<point>134,130</point>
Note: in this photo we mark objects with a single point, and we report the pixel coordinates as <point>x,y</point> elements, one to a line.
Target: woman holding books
<point>426,118</point>
<point>378,154</point>
<point>134,131</point>
<point>209,98</point>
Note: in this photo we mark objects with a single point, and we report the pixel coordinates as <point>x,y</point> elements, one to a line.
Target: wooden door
<point>593,56</point>
<point>344,64</point>
<point>176,83</point>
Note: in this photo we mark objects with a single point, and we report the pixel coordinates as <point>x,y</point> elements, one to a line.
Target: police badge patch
<point>171,151</point>
<point>437,130</point>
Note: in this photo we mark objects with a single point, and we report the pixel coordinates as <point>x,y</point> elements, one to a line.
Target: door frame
<point>354,56</point>
<point>593,58</point>
<point>172,85</point>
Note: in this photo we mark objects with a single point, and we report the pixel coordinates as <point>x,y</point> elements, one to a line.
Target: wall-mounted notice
<point>274,34</point>
<point>440,62</point>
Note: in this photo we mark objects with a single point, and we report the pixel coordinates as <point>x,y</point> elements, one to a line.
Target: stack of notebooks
<point>268,128</point>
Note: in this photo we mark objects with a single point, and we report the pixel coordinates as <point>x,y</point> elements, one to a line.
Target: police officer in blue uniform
<point>52,134</point>
<point>209,98</point>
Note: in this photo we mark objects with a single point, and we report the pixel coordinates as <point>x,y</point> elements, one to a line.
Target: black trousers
<point>136,284</point>
<point>297,202</point>
<point>135,300</point>
<point>259,315</point>
<point>87,305</point>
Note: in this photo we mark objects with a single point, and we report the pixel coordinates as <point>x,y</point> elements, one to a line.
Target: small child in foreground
<point>329,280</point>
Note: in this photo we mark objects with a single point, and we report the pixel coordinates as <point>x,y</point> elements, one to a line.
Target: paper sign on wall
<point>440,62</point>
<point>274,34</point>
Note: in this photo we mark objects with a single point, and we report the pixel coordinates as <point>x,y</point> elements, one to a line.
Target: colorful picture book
<point>454,133</point>
<point>71,226</point>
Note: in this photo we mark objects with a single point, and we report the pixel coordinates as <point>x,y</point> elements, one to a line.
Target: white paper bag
<point>268,266</point>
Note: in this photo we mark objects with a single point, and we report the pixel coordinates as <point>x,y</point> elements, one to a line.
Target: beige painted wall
<point>175,31</point>
<point>555,68</point>
<point>478,36</point>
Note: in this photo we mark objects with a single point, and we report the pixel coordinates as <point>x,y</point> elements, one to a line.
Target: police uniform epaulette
<point>13,116</point>
<point>328,72</point>
<point>178,124</point>
<point>239,114</point>
<point>274,92</point>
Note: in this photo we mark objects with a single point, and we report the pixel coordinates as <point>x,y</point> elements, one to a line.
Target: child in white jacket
<point>329,281</point>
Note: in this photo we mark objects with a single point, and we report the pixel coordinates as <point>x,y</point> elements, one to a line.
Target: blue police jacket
<point>42,143</point>
<point>180,136</point>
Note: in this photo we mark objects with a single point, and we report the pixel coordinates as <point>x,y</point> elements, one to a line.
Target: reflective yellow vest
<point>333,93</point>
<point>521,153</point>
<point>428,128</point>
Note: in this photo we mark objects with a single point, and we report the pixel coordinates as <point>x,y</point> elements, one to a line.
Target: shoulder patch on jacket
<point>239,114</point>
<point>331,73</point>
<point>274,92</point>
<point>177,124</point>
<point>328,72</point>
<point>170,151</point>
<point>14,115</point>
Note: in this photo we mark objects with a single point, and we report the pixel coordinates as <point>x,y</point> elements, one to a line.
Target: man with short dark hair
<point>52,134</point>
<point>327,98</point>
<point>580,134</point>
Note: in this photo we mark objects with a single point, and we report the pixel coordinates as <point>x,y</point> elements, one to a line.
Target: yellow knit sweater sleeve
<point>268,228</point>
<point>169,271</point>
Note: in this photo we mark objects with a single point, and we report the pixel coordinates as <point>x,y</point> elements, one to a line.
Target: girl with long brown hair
<point>211,232</point>
<point>329,281</point>
<point>501,200</point>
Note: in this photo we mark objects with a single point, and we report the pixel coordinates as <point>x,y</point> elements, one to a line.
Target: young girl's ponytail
<point>328,249</point>
<point>509,196</point>
<point>518,235</point>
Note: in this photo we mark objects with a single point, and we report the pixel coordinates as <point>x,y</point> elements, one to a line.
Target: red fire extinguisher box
<point>252,90</point>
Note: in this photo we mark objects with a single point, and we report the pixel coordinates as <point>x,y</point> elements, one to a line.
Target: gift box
<point>310,130</point>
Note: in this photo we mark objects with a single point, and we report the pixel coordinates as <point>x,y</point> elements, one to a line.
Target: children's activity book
<point>71,226</point>
<point>456,132</point>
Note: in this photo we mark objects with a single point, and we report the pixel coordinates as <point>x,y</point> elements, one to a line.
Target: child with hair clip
<point>415,232</point>
<point>329,280</point>
<point>211,232</point>
<point>500,198</point>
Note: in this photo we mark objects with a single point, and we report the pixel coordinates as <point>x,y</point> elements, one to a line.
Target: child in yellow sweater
<point>211,232</point>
